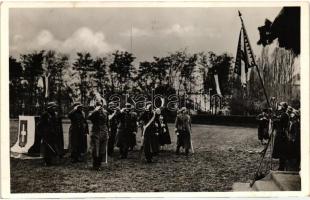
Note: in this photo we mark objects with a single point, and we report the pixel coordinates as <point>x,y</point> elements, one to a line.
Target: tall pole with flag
<point>245,58</point>
<point>245,54</point>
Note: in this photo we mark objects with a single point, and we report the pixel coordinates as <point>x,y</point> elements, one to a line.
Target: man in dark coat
<point>183,131</point>
<point>112,111</point>
<point>294,141</point>
<point>162,128</point>
<point>52,135</point>
<point>133,126</point>
<point>149,134</point>
<point>281,126</point>
<point>79,131</point>
<point>263,126</point>
<point>99,136</point>
<point>126,130</point>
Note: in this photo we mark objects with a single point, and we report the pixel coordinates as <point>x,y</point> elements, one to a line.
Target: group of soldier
<point>282,126</point>
<point>111,127</point>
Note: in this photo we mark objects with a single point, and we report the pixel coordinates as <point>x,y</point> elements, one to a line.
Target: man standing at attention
<point>183,131</point>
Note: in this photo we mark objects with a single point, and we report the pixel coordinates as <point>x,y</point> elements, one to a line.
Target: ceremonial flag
<point>244,57</point>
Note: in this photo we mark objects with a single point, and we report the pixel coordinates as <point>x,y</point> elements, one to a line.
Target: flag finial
<point>239,13</point>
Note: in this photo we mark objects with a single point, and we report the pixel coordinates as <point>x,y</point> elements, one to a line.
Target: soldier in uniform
<point>78,133</point>
<point>126,130</point>
<point>183,131</point>
<point>149,133</point>
<point>99,136</point>
<point>263,126</point>
<point>52,135</point>
<point>112,111</point>
<point>281,126</point>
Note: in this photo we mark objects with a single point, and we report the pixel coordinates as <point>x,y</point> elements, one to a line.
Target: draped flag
<point>244,57</point>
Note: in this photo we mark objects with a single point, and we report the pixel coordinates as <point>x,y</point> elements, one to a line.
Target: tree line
<point>76,79</point>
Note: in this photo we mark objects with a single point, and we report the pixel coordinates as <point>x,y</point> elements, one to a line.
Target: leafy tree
<point>33,70</point>
<point>99,66</point>
<point>121,69</point>
<point>221,64</point>
<point>16,87</point>
<point>83,65</point>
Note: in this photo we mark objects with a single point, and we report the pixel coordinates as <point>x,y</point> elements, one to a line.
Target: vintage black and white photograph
<point>154,99</point>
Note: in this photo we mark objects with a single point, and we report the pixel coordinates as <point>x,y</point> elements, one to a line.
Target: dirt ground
<point>223,155</point>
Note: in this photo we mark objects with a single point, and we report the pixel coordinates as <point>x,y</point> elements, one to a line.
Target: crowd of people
<point>112,127</point>
<point>281,129</point>
<point>115,127</point>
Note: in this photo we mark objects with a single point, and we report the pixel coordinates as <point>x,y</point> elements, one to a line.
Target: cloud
<point>174,29</point>
<point>190,30</point>
<point>136,32</point>
<point>83,39</point>
<point>178,29</point>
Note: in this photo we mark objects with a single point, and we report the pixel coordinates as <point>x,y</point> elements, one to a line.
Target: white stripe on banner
<point>243,74</point>
<point>46,85</point>
<point>217,85</point>
<point>25,136</point>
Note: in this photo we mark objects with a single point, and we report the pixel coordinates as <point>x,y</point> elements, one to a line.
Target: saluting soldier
<point>99,136</point>
<point>183,131</point>
<point>281,126</point>
<point>50,125</point>
<point>126,130</point>
<point>149,134</point>
<point>112,111</point>
<point>78,133</point>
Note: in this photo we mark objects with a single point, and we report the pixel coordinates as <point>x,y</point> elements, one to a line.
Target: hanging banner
<point>217,85</point>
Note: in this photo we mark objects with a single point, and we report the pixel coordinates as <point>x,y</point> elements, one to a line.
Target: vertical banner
<point>25,135</point>
<point>217,85</point>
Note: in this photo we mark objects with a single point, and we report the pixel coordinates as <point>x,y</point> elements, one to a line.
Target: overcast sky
<point>155,31</point>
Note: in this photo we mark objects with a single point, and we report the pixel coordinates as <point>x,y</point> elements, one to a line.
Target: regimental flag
<point>244,57</point>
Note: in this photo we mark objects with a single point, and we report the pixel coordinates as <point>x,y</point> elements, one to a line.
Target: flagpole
<point>256,175</point>
<point>254,63</point>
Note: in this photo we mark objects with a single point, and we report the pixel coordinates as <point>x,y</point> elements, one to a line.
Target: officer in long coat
<point>99,134</point>
<point>50,125</point>
<point>126,130</point>
<point>78,133</point>
<point>183,131</point>
<point>149,133</point>
<point>281,126</point>
<point>112,111</point>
